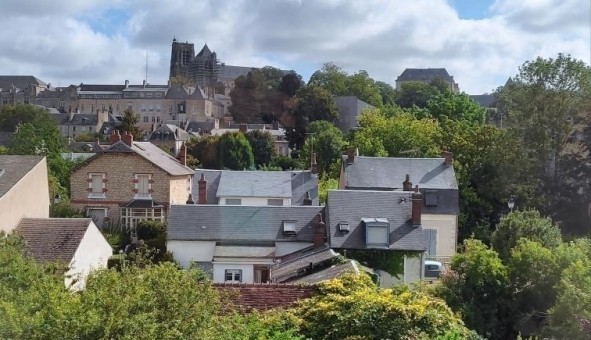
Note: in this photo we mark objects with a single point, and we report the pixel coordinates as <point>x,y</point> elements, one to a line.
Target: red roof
<point>263,296</point>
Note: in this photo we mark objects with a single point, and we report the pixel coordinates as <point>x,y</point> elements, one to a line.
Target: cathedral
<point>203,69</point>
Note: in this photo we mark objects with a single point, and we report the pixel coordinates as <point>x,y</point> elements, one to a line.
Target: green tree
<point>387,92</point>
<point>476,288</point>
<point>414,94</point>
<point>263,147</point>
<point>546,104</point>
<point>291,83</point>
<point>205,151</point>
<point>400,135</point>
<point>528,224</point>
<point>352,307</point>
<point>330,78</point>
<point>129,124</point>
<point>327,142</point>
<point>314,103</point>
<point>235,152</point>
<point>456,107</point>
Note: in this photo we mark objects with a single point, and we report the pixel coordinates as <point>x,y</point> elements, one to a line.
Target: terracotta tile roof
<point>261,296</point>
<point>52,239</point>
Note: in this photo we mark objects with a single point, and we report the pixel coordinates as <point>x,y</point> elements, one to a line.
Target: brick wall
<point>119,169</point>
<point>246,297</point>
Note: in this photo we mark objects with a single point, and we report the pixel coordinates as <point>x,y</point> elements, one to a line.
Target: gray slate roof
<point>238,183</point>
<point>387,173</point>
<point>13,168</point>
<point>353,206</point>
<point>52,239</point>
<point>200,126</point>
<point>19,81</point>
<point>229,72</point>
<point>153,154</point>
<point>314,256</point>
<point>424,74</point>
<point>240,223</point>
<point>485,100</point>
<point>77,119</point>
<point>255,184</point>
<point>351,266</point>
<point>169,132</point>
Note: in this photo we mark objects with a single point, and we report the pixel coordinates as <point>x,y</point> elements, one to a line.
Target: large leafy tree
<point>235,153</point>
<point>415,94</point>
<point>262,145</point>
<point>327,142</point>
<point>456,107</point>
<point>205,151</point>
<point>313,103</point>
<point>547,104</point>
<point>352,307</point>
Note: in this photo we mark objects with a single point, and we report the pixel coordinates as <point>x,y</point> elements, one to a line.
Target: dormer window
<point>377,232</point>
<point>289,228</point>
<point>344,227</point>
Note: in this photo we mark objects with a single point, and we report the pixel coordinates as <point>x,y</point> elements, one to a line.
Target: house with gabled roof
<point>279,188</point>
<point>436,180</point>
<point>76,243</point>
<point>24,189</point>
<point>248,244</point>
<point>128,182</point>
<point>378,220</point>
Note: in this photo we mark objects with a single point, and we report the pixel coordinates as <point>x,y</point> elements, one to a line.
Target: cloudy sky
<point>480,42</point>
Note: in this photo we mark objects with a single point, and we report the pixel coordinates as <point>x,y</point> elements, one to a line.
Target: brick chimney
<point>449,157</point>
<point>114,137</point>
<point>307,199</point>
<point>313,164</point>
<point>417,204</point>
<point>127,138</point>
<point>182,156</point>
<point>319,232</point>
<point>407,184</point>
<point>190,199</point>
<point>202,186</point>
<point>350,156</point>
<point>243,127</point>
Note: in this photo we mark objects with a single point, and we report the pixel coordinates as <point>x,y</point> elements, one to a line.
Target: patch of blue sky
<point>472,9</point>
<point>110,22</point>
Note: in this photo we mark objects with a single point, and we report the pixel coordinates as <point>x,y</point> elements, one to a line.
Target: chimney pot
<point>127,138</point>
<point>313,165</point>
<point>190,199</point>
<point>307,199</point>
<point>182,156</point>
<point>449,157</point>
<point>350,156</point>
<point>202,187</point>
<point>407,184</point>
<point>114,137</point>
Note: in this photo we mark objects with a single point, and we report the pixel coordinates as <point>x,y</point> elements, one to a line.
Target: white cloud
<point>60,43</point>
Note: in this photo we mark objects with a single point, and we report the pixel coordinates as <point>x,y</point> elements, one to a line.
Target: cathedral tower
<point>181,56</point>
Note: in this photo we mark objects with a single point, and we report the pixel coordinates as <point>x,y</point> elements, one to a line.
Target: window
<point>117,107</point>
<point>261,274</point>
<point>98,215</point>
<point>158,119</point>
<point>289,227</point>
<point>185,57</point>
<point>275,201</point>
<point>233,275</point>
<point>130,107</point>
<point>146,120</point>
<point>153,119</point>
<point>96,185</point>
<point>233,201</point>
<point>344,226</point>
<point>431,198</point>
<point>91,108</point>
<point>377,232</point>
<point>169,108</point>
<point>143,186</point>
<point>74,128</point>
<point>131,217</point>
<point>104,107</point>
<point>82,108</point>
<point>149,95</point>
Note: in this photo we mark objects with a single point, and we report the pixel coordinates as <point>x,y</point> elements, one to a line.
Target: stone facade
<point>119,185</point>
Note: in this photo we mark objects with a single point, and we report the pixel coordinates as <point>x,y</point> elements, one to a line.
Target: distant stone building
<point>427,75</point>
<point>350,108</point>
<point>20,89</point>
<point>203,69</point>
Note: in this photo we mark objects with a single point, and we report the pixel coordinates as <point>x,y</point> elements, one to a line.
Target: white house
<point>247,244</point>
<point>24,189</point>
<point>76,242</point>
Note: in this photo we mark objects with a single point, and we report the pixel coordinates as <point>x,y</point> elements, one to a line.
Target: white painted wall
<point>219,270</point>
<point>253,201</point>
<point>185,252</point>
<point>27,198</point>
<point>92,253</point>
<point>284,248</point>
<point>447,232</point>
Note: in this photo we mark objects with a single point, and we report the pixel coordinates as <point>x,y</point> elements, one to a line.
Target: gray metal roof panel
<point>352,206</point>
<point>255,184</point>
<point>388,173</point>
<point>240,223</point>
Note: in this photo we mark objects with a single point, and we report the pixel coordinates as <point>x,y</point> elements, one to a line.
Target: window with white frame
<point>143,185</point>
<point>96,185</point>
<point>275,201</point>
<point>377,232</point>
<point>233,201</point>
<point>233,275</point>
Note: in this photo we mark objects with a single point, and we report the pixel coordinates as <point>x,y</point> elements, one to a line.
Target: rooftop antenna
<point>146,78</point>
